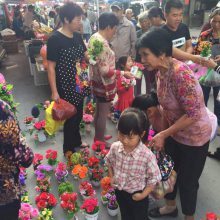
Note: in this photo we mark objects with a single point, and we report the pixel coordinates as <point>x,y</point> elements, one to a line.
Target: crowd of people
<point>175,109</point>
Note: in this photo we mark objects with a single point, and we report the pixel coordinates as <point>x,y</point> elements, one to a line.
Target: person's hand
<point>113,183</point>
<point>217,58</point>
<point>197,59</point>
<point>55,97</point>
<point>210,63</point>
<point>138,196</point>
<point>158,142</point>
<point>128,75</point>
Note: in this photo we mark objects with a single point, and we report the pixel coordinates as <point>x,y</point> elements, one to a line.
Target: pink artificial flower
<point>87,118</point>
<point>26,207</point>
<point>34,213</point>
<point>26,217</point>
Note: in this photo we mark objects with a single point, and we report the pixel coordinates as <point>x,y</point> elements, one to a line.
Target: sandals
<point>155,213</point>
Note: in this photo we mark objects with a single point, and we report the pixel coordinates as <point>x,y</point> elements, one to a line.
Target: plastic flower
<point>37,159</point>
<point>97,174</point>
<point>28,120</point>
<point>90,206</point>
<point>45,200</point>
<point>87,118</point>
<point>105,184</point>
<point>40,125</point>
<point>86,189</point>
<point>51,156</point>
<point>93,162</point>
<point>98,146</point>
<point>79,170</point>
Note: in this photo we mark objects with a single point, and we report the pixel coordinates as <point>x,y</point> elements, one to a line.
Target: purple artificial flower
<point>22,179</point>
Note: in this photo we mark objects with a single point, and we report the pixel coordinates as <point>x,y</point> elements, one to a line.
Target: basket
<point>11,37</point>
<point>11,46</point>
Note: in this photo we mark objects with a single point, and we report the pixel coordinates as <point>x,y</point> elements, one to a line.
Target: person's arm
<point>189,47</point>
<point>133,38</point>
<point>52,80</point>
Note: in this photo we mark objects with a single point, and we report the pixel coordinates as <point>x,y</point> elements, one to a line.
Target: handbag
<point>211,79</point>
<point>63,110</point>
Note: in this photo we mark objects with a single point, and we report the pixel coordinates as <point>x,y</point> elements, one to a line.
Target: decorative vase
<point>41,136</point>
<point>92,216</point>
<point>104,202</point>
<point>62,179</point>
<point>88,128</point>
<point>112,212</point>
<point>95,183</point>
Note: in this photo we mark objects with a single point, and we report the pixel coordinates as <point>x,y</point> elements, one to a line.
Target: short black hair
<point>69,11</point>
<point>157,40</point>
<point>121,63</point>
<point>133,121</point>
<point>107,19</point>
<point>172,4</point>
<point>143,102</point>
<point>156,12</point>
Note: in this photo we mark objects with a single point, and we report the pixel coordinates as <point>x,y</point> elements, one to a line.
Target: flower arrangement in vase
<point>88,119</point>
<point>27,212</point>
<point>46,214</point>
<point>43,171</point>
<point>69,203</point>
<point>45,200</point>
<point>86,190</point>
<point>37,160</point>
<point>43,185</point>
<point>65,187</point>
<point>79,171</point>
<point>98,146</point>
<point>90,208</point>
<point>61,172</point>
<point>51,156</point>
<point>106,186</point>
<point>96,176</point>
<point>84,155</point>
<point>112,206</point>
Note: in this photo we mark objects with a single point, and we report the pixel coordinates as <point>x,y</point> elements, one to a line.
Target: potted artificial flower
<point>46,214</point>
<point>44,172</point>
<point>84,155</point>
<point>28,123</point>
<point>98,146</point>
<point>65,187</point>
<point>22,176</point>
<point>96,176</point>
<point>102,155</point>
<point>90,208</point>
<point>88,119</point>
<point>106,186</point>
<point>69,204</point>
<point>51,156</point>
<point>40,127</point>
<point>37,160</point>
<point>112,206</point>
<point>74,159</point>
<point>61,172</point>
<point>79,171</point>
<point>45,200</point>
<point>86,190</point>
<point>43,185</point>
<point>93,162</point>
<point>27,211</point>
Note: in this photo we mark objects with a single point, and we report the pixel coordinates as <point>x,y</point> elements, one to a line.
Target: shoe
<point>155,213</point>
<point>215,155</point>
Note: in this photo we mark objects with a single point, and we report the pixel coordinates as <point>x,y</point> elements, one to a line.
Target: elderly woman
<point>103,73</point>
<point>212,35</point>
<point>187,138</point>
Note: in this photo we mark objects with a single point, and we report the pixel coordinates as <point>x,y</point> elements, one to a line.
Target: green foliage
<point>65,187</point>
<point>96,48</point>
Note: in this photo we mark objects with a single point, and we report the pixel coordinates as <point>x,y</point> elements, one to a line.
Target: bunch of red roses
<point>93,162</point>
<point>51,156</point>
<point>98,146</point>
<point>69,203</point>
<point>86,189</point>
<point>90,206</point>
<point>97,174</point>
<point>45,200</point>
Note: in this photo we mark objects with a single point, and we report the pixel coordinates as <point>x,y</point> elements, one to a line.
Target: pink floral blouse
<point>179,93</point>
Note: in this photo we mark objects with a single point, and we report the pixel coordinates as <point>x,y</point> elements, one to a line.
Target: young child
<point>132,166</point>
<point>125,87</point>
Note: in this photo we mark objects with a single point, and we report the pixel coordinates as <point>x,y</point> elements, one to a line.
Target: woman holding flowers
<point>14,154</point>
<point>103,73</point>
<point>213,36</point>
<point>187,138</point>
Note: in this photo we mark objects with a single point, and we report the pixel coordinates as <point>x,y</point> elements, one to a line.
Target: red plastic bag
<point>63,110</point>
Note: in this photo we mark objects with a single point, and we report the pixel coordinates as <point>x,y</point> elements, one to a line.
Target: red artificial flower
<point>52,201</point>
<point>89,205</point>
<point>98,146</point>
<point>211,216</point>
<point>41,204</point>
<point>37,159</point>
<point>51,154</point>
<point>93,162</point>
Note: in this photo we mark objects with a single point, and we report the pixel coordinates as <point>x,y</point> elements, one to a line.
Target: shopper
<point>156,17</point>
<point>87,30</point>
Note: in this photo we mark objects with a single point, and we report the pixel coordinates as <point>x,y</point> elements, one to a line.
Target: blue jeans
<point>206,90</point>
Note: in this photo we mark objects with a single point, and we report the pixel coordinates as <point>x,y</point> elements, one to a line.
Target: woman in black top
<point>65,51</point>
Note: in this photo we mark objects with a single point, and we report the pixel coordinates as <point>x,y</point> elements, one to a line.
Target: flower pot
<point>95,183</point>
<point>92,217</point>
<point>29,127</point>
<point>88,128</point>
<point>41,136</point>
<point>62,179</point>
<point>104,202</point>
<point>112,212</point>
<point>85,197</point>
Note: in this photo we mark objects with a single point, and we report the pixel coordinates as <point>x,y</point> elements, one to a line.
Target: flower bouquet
<point>90,108</point>
<point>61,172</point>
<point>94,50</point>
<point>90,208</point>
<point>79,171</point>
<point>43,185</point>
<point>93,162</point>
<point>27,212</point>
<point>69,204</point>
<point>112,206</point>
<point>40,134</point>
<point>96,176</point>
<point>51,156</point>
<point>137,70</point>
<point>46,214</point>
<point>45,200</point>
<point>211,216</point>
<point>37,160</point>
<point>43,171</point>
<point>88,119</point>
<point>65,187</point>
<point>98,146</point>
<point>106,186</point>
<point>84,155</point>
<point>86,190</point>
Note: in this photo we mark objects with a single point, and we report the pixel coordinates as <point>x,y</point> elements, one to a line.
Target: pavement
<point>27,94</point>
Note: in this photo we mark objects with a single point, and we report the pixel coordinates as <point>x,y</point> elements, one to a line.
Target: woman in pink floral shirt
<point>187,138</point>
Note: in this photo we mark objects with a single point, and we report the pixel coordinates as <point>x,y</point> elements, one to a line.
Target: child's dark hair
<point>121,63</point>
<point>143,102</point>
<point>134,121</point>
